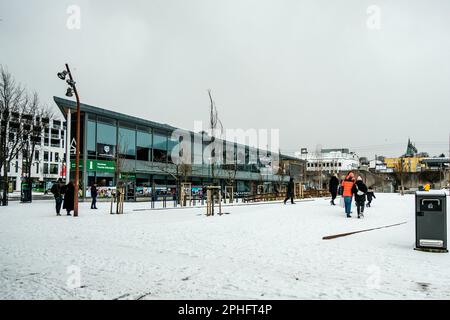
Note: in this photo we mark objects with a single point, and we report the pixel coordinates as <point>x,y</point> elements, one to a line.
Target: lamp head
<point>69,92</point>
<point>62,75</point>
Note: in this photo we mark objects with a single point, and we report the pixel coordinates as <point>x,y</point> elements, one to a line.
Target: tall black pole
<point>77,141</point>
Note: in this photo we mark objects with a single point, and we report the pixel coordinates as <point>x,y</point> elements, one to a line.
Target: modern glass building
<point>118,146</point>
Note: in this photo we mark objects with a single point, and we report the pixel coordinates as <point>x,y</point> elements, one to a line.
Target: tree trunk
<point>401,186</point>
<point>5,185</point>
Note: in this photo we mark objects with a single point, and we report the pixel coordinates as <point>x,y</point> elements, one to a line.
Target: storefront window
<point>159,186</point>
<point>143,185</point>
<point>143,145</point>
<point>197,151</point>
<point>91,132</point>
<point>173,146</point>
<point>171,189</point>
<point>106,138</point>
<point>127,142</point>
<point>159,147</point>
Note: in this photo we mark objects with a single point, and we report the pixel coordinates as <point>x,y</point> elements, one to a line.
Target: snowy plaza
<point>256,251</point>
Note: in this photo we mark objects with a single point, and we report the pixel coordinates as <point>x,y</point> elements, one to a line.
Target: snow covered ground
<point>268,251</point>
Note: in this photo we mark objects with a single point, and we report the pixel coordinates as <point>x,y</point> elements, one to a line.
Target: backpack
<point>54,189</point>
<point>358,192</point>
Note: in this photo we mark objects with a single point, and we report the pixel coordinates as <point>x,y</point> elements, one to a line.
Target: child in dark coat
<point>370,196</point>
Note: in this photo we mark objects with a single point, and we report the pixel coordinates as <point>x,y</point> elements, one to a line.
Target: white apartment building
<point>379,166</point>
<point>48,159</point>
<point>329,160</point>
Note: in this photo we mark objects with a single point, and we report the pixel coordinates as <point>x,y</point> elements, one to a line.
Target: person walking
<point>333,188</point>
<point>347,193</point>
<point>359,189</point>
<point>69,198</point>
<point>94,194</point>
<point>290,191</point>
<point>57,193</point>
<point>370,195</point>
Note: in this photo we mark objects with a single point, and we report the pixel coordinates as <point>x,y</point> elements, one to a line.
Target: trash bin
<point>431,220</point>
<point>25,195</point>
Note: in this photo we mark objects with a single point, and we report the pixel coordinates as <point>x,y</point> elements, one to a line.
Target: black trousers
<point>333,195</point>
<point>94,203</point>
<point>289,197</point>
<point>360,207</point>
<point>58,202</point>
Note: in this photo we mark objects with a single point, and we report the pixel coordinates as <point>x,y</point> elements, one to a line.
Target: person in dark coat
<point>333,188</point>
<point>57,193</point>
<point>370,196</point>
<point>69,198</point>
<point>359,190</point>
<point>290,191</point>
<point>94,194</point>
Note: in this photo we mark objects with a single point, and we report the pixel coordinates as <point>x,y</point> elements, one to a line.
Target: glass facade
<point>143,144</point>
<point>127,142</point>
<point>91,136</point>
<point>159,147</point>
<point>145,148</point>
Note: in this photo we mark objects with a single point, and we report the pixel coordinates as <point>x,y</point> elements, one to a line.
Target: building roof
<point>343,150</point>
<point>436,160</point>
<point>64,104</point>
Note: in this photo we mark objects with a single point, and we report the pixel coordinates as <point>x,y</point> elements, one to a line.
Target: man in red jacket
<point>347,193</point>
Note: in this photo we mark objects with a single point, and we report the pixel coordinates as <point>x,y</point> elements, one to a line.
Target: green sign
<point>128,175</point>
<point>96,165</point>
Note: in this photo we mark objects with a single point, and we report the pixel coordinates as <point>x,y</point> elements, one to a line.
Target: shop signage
<point>105,150</point>
<point>96,165</point>
<point>128,175</point>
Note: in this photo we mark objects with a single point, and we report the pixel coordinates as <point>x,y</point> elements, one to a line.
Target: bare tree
<point>120,158</point>
<point>214,125</point>
<point>13,103</point>
<point>181,173</point>
<point>33,129</point>
<point>399,170</point>
<point>231,171</point>
<point>281,174</point>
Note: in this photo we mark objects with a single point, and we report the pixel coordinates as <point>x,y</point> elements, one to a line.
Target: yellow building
<point>409,164</point>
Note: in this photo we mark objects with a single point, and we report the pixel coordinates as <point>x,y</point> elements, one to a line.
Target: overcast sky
<point>313,69</point>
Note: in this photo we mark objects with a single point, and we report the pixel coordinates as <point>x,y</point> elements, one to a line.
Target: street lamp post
<point>73,89</point>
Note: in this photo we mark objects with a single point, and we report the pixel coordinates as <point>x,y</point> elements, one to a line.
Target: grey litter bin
<point>431,220</point>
